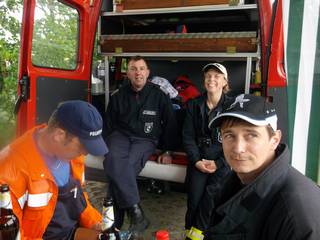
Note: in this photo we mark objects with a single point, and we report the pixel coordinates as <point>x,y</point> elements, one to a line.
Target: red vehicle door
<point>272,44</point>
<point>57,41</point>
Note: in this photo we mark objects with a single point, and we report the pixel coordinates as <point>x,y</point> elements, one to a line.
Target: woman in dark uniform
<point>202,145</point>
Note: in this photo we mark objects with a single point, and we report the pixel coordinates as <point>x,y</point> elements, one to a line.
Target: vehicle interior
<point>177,41</point>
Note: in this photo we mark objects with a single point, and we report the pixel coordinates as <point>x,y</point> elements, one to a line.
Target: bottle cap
<point>162,235</point>
<point>4,187</point>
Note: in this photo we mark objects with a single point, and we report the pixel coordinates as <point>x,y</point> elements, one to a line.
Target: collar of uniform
<point>32,162</point>
<point>272,177</point>
<point>218,109</point>
<point>264,186</point>
<point>219,104</point>
<point>202,102</point>
<point>221,100</point>
<point>144,91</point>
<point>36,167</point>
<point>134,91</point>
<point>202,99</point>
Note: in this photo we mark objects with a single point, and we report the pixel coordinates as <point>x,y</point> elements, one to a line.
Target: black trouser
<point>196,182</point>
<point>126,158</point>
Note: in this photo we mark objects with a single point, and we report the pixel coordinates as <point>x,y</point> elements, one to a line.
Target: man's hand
<point>86,234</point>
<point>165,158</point>
<point>206,166</point>
<point>97,226</point>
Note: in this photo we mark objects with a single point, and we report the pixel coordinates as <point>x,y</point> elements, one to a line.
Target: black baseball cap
<point>84,121</point>
<point>253,109</point>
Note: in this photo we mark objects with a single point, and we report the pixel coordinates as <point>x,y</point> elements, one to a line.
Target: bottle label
<point>5,200</point>
<point>112,236</point>
<point>18,235</point>
<point>107,217</point>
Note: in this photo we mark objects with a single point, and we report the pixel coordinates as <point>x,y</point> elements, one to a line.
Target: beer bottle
<point>9,223</point>
<point>108,230</point>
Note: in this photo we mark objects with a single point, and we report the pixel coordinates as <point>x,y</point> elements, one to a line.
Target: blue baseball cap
<point>84,121</point>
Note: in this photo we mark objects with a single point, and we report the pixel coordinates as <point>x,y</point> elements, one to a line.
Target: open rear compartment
<point>179,40</point>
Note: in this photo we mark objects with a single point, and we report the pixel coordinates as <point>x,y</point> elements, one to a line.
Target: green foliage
<point>9,53</point>
<point>55,35</point>
<point>55,44</point>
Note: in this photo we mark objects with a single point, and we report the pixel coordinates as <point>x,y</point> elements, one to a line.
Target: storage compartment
<point>145,4</point>
<point>206,2</point>
<point>149,4</point>
<point>192,35</point>
<point>230,42</point>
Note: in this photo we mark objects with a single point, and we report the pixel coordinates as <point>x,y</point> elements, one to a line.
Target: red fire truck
<point>176,37</point>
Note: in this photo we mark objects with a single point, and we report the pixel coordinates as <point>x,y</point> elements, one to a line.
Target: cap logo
<point>270,111</point>
<point>241,100</point>
<point>95,133</point>
<point>219,136</point>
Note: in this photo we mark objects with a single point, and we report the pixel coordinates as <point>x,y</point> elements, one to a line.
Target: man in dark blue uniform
<point>138,116</point>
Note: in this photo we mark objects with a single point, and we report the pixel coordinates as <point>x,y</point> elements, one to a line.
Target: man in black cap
<point>264,197</point>
<point>44,169</point>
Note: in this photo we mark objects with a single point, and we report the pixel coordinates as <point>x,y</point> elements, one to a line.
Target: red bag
<point>186,88</point>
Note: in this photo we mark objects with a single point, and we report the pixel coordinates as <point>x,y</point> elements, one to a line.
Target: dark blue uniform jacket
<point>198,141</point>
<point>146,114</point>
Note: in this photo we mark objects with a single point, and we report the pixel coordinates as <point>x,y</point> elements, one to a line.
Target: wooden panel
<point>178,45</point>
<point>145,4</point>
<point>204,2</point>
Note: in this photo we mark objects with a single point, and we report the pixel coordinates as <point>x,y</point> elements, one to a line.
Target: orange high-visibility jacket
<point>33,189</point>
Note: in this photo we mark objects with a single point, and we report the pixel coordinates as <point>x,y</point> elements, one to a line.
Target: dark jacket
<point>146,114</point>
<point>281,204</point>
<point>198,141</point>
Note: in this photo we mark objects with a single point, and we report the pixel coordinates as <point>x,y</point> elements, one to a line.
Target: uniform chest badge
<point>148,126</point>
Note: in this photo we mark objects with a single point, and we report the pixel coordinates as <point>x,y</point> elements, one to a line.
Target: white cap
<point>218,66</point>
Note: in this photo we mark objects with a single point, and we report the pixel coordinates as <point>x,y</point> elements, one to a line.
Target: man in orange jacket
<point>45,171</point>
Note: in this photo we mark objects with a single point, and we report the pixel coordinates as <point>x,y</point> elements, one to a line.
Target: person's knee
<point>110,163</point>
<point>105,163</point>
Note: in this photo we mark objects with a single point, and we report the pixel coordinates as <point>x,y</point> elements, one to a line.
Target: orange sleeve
<point>90,215</point>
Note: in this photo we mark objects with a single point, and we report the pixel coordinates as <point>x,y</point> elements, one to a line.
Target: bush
<point>9,54</point>
<point>8,90</point>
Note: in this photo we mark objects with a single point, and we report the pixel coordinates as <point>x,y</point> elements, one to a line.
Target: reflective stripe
<point>39,200</point>
<point>195,234</point>
<point>83,178</point>
<point>188,234</point>
<point>22,200</point>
